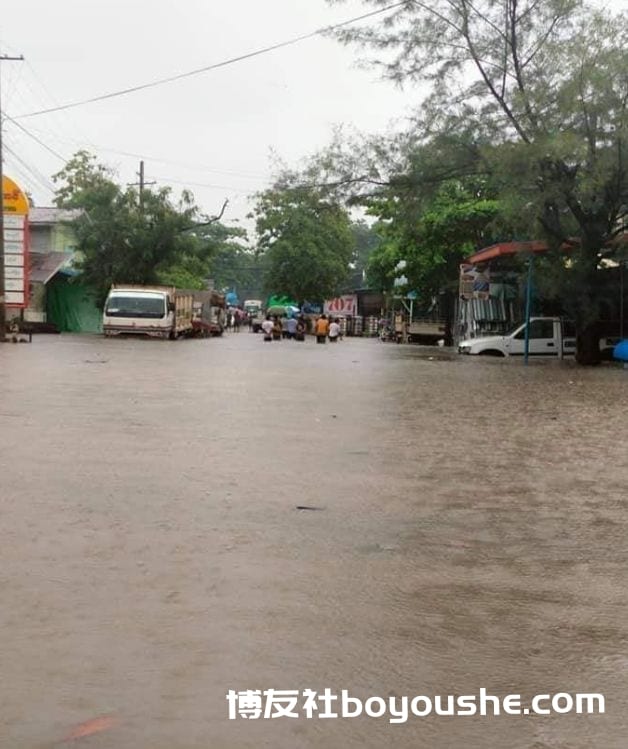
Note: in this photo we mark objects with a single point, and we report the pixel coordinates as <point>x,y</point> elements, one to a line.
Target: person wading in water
<point>322,329</point>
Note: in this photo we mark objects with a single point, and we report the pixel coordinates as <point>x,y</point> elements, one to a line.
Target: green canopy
<point>278,300</point>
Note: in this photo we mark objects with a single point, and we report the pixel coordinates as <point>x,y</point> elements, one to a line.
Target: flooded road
<point>471,531</point>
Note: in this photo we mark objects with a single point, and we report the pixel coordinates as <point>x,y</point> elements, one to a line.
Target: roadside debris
<point>90,727</point>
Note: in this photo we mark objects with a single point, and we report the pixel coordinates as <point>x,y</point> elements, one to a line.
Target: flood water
<point>470,530</point>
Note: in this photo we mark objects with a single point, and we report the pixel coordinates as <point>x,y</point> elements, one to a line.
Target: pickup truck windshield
<point>136,306</point>
<point>512,329</point>
<point>539,329</point>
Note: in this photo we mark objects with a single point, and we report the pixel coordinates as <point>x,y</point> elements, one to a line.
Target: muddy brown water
<point>470,530</point>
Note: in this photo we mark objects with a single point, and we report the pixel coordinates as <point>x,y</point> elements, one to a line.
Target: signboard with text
<point>474,281</point>
<point>15,234</point>
<point>343,306</point>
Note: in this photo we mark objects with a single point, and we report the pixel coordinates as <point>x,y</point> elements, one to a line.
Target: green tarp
<point>72,307</point>
<point>280,301</point>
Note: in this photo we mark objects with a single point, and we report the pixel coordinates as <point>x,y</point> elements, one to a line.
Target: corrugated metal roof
<point>44,265</point>
<point>52,215</point>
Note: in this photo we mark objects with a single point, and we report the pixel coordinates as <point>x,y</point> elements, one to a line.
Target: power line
<point>64,119</point>
<point>86,143</point>
<point>35,138</point>
<point>194,167</point>
<point>214,66</point>
<point>208,185</point>
<point>35,174</point>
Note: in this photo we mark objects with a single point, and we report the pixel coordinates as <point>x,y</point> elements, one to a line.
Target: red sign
<point>344,306</point>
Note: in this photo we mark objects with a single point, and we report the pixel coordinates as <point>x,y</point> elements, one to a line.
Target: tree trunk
<point>448,311</point>
<point>588,345</point>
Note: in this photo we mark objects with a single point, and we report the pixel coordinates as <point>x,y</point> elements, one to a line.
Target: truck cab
<point>254,309</point>
<point>548,336</point>
<point>142,310</point>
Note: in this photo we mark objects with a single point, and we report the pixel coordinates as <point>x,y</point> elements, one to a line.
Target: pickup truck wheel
<point>491,352</point>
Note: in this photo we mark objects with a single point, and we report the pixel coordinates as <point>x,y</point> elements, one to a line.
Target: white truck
<point>253,307</point>
<point>548,336</point>
<point>157,311</point>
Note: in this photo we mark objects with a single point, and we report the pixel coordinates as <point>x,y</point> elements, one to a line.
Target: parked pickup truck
<point>158,311</point>
<point>549,336</point>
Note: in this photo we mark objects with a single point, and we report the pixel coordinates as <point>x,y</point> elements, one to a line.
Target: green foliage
<point>181,276</point>
<point>540,89</point>
<point>432,233</point>
<point>121,239</point>
<point>306,240</point>
<point>81,181</point>
<point>236,266</point>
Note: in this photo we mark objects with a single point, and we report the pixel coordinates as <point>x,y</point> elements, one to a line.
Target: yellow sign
<point>14,200</point>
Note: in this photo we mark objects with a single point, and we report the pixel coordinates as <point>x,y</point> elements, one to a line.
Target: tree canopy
<point>431,235</point>
<point>306,239</point>
<point>123,237</point>
<point>536,93</point>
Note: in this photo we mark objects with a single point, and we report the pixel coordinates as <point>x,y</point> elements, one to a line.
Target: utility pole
<point>3,316</point>
<point>142,185</point>
<point>526,350</point>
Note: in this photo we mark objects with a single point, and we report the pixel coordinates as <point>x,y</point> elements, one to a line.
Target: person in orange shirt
<point>322,329</point>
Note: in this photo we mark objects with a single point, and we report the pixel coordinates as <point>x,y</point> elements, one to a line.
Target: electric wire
<point>63,120</point>
<point>35,174</point>
<point>208,185</point>
<point>214,66</point>
<point>34,137</point>
<point>86,143</point>
<point>34,171</point>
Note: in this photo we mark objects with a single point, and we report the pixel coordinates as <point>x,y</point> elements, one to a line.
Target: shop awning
<point>504,249</point>
<point>44,265</point>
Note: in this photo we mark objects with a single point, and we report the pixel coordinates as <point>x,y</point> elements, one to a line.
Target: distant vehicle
<point>254,309</point>
<point>548,336</point>
<point>209,313</point>
<point>157,311</point>
<point>425,330</point>
<point>253,306</point>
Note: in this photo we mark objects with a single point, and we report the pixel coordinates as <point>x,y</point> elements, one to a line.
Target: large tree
<point>125,237</point>
<point>432,234</point>
<point>237,266</point>
<point>306,239</point>
<point>542,89</point>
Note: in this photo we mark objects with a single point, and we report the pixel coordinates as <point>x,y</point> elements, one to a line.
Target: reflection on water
<point>471,533</point>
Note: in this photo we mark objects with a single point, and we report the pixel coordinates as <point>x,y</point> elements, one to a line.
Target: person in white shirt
<point>334,331</point>
<point>267,327</point>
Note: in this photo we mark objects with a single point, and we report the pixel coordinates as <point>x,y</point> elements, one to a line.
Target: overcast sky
<point>212,132</point>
